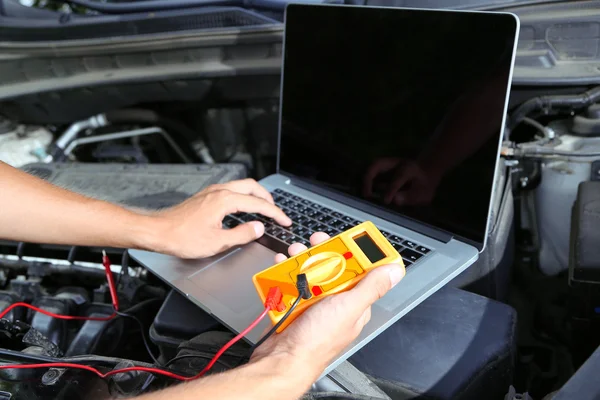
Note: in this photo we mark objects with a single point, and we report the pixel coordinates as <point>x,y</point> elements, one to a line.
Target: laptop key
<point>337,214</point>
<point>312,213</point>
<point>335,222</point>
<point>310,224</point>
<point>273,230</point>
<point>396,238</point>
<point>324,218</point>
<point>299,230</point>
<point>398,247</point>
<point>325,210</point>
<point>321,228</point>
<point>315,205</point>
<point>280,191</point>
<point>422,249</point>
<point>302,219</point>
<point>406,263</point>
<point>410,255</point>
<point>332,231</point>
<point>307,235</point>
<point>305,202</point>
<point>292,239</point>
<point>349,219</point>
<point>344,227</point>
<point>410,244</point>
<point>284,236</point>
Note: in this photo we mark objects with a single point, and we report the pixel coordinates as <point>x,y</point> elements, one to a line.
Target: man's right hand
<point>330,325</point>
<point>193,229</point>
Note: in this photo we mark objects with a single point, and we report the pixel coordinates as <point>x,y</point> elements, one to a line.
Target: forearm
<point>270,378</point>
<point>33,210</point>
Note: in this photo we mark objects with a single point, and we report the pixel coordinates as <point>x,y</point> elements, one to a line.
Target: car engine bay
<point>551,153</point>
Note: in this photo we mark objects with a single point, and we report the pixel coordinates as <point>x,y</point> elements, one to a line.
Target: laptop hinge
<point>433,233</point>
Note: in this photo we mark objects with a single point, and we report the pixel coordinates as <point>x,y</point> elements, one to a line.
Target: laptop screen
<point>399,108</point>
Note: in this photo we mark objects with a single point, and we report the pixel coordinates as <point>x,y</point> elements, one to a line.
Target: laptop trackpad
<point>229,279</point>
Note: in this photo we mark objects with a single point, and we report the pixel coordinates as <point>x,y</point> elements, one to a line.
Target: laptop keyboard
<point>308,218</point>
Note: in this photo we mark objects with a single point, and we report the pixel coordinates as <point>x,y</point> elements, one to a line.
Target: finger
<point>376,284</point>
<point>280,257</point>
<point>237,202</point>
<point>318,237</point>
<point>250,187</point>
<point>296,248</point>
<point>378,167</point>
<point>241,234</point>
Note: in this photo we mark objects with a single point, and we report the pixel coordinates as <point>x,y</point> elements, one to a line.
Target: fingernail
<point>259,228</point>
<point>396,275</point>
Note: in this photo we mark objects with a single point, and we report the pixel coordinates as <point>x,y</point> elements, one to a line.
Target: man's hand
<point>193,229</point>
<point>330,325</point>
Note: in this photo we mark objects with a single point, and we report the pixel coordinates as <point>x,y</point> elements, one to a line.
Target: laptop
<point>389,115</point>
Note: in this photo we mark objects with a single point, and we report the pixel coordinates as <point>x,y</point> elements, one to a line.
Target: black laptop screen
<point>399,108</point>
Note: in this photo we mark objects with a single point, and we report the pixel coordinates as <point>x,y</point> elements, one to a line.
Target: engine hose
<point>572,101</point>
<point>149,117</point>
<point>534,152</point>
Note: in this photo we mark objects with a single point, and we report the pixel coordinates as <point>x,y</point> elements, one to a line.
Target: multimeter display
<point>368,246</point>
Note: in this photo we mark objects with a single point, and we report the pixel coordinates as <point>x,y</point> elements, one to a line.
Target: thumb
<point>242,234</point>
<point>377,283</point>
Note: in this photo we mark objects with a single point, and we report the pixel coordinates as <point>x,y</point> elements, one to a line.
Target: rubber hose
<point>574,101</point>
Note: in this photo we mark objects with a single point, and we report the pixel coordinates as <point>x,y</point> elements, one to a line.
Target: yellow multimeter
<point>333,266</point>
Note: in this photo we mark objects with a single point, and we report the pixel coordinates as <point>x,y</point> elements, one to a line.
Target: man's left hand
<point>193,229</point>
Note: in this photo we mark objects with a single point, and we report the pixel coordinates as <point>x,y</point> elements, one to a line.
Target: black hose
<point>102,361</point>
<point>572,101</point>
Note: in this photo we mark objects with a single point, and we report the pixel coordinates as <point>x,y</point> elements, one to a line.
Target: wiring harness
<point>273,302</point>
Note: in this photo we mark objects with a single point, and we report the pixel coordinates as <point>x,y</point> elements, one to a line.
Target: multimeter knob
<point>323,268</point>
